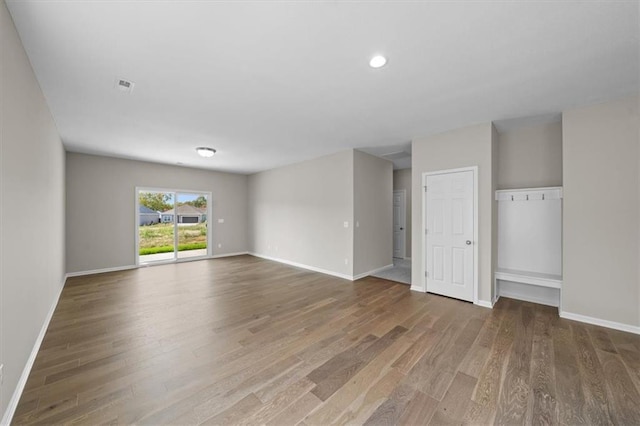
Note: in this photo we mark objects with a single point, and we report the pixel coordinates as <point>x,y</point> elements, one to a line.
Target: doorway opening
<point>401,270</point>
<point>399,223</point>
<point>172,225</point>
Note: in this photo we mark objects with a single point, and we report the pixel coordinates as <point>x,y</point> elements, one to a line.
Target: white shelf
<point>533,278</point>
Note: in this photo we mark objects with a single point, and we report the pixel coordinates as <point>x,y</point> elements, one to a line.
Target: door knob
<point>468,242</point>
<point>401,229</point>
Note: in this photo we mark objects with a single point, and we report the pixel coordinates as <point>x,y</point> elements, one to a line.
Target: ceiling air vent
<point>124,85</point>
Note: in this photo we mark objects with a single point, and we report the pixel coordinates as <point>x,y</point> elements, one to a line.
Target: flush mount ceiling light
<point>205,152</point>
<point>378,61</point>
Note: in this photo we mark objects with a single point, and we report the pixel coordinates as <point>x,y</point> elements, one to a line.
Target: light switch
<point>220,220</point>
<point>346,224</point>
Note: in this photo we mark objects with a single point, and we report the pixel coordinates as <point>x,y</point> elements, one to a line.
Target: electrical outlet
<point>357,224</point>
<point>219,245</point>
<point>346,261</point>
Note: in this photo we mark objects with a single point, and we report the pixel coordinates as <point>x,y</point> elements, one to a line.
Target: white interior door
<point>449,234</point>
<point>399,219</point>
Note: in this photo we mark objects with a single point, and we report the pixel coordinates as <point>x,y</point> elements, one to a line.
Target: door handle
<point>402,229</point>
<point>468,242</point>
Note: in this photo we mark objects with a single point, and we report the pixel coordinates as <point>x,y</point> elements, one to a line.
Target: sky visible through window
<point>183,198</point>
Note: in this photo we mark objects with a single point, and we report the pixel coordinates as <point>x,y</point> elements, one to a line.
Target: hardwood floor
<point>248,341</point>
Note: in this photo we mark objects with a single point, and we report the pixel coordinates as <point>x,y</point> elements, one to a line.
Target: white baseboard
<point>484,304</point>
<point>603,323</point>
<point>100,271</point>
<point>371,272</point>
<point>191,259</point>
<point>17,393</point>
<point>417,288</point>
<point>218,256</point>
<point>303,266</point>
<point>127,267</point>
<point>595,321</point>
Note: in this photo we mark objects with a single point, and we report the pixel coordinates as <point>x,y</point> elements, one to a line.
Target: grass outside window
<point>158,238</point>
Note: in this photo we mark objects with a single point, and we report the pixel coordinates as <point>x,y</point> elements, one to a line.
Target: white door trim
<point>423,235</point>
<point>403,250</point>
<point>175,229</point>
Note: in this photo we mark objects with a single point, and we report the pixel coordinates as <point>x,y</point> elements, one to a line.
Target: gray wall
<point>469,146</point>
<point>31,209</point>
<point>101,207</point>
<point>297,213</point>
<point>373,212</point>
<point>601,212</point>
<point>402,180</point>
<point>530,157</point>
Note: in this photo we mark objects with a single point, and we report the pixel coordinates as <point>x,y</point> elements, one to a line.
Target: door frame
<point>175,259</point>
<point>404,221</point>
<point>423,232</point>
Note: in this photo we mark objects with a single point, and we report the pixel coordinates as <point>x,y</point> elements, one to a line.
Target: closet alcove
<point>530,244</point>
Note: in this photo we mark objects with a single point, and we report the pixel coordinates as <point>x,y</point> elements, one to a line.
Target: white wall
<point>31,209</point>
<point>373,212</point>
<point>297,213</point>
<point>101,207</point>
<point>530,156</point>
<point>469,146</point>
<point>402,180</point>
<point>601,212</point>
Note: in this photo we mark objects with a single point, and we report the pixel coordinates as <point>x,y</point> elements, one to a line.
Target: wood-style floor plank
<point>569,383</point>
<point>594,388</point>
<point>453,407</point>
<point>541,409</point>
<point>514,395</point>
<point>419,410</point>
<point>244,340</point>
<point>491,377</point>
<point>393,407</point>
<point>624,398</point>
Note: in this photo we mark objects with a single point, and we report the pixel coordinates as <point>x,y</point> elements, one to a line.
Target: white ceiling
<point>271,83</point>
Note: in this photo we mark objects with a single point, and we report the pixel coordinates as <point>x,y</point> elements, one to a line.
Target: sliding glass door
<point>191,220</point>
<point>171,225</point>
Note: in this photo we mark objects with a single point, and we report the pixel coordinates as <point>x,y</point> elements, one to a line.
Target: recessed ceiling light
<point>378,61</point>
<point>203,151</point>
